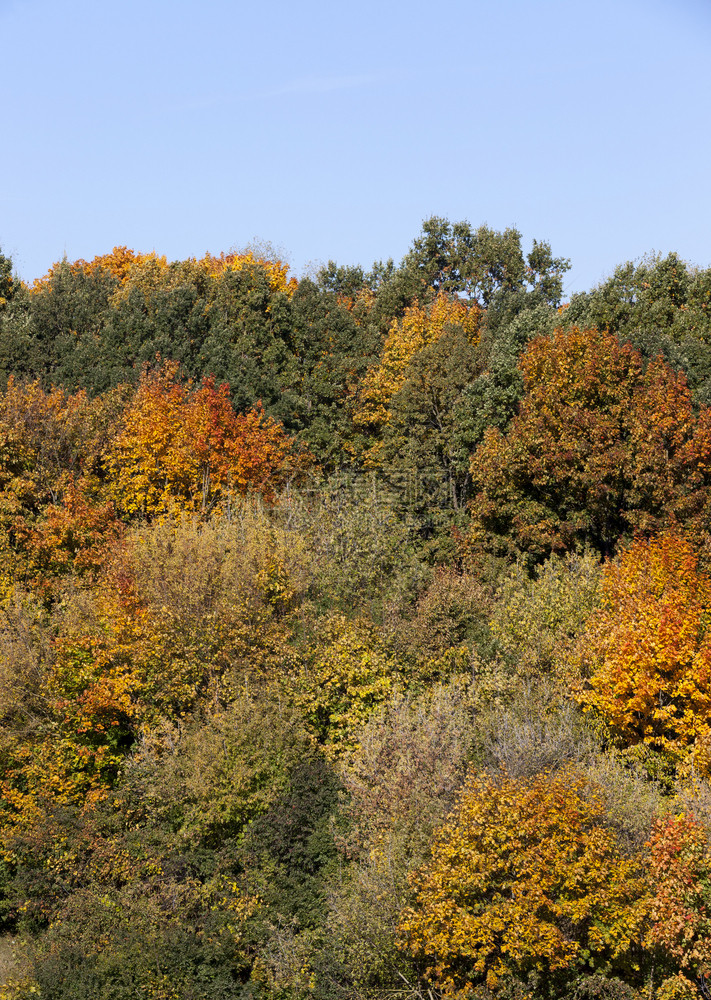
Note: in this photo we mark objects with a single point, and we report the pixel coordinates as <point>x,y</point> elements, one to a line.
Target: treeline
<point>354,630</point>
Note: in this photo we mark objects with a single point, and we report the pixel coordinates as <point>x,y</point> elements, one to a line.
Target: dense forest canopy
<point>354,629</point>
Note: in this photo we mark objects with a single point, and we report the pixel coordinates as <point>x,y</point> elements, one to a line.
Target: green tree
<point>429,436</point>
<point>661,305</point>
<point>8,285</point>
<point>483,264</point>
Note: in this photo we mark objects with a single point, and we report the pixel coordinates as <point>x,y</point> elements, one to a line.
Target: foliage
<point>191,609</point>
<point>410,762</point>
<point>346,677</point>
<point>361,553</point>
<point>7,283</point>
<point>524,878</point>
<point>168,939</point>
<point>426,444</point>
<point>483,263</point>
<point>185,445</point>
<point>536,621</point>
<point>534,731</point>
<point>53,519</point>
<point>240,694</point>
<point>600,445</point>
<point>680,867</point>
<point>332,350</point>
<point>647,649</point>
<point>400,784</point>
<point>419,327</point>
<point>446,628</point>
<point>163,875</point>
<point>656,293</point>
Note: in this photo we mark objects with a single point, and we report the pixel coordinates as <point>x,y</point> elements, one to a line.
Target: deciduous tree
<point>185,445</point>
<point>648,651</point>
<point>525,878</point>
<point>601,445</point>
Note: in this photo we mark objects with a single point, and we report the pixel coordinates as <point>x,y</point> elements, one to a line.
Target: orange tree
<point>601,446</point>
<point>648,652</point>
<point>526,881</point>
<point>185,446</point>
<point>680,874</point>
<point>52,518</point>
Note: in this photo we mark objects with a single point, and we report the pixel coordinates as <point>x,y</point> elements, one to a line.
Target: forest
<point>355,630</point>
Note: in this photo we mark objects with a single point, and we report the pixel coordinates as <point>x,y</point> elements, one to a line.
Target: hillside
<point>354,630</point>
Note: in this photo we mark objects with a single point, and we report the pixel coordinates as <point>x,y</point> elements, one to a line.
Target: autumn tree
<point>420,326</point>
<point>647,650</point>
<point>347,676</point>
<point>53,519</point>
<point>185,445</point>
<point>75,534</point>
<point>600,445</point>
<point>662,305</point>
<point>525,881</point>
<point>680,876</point>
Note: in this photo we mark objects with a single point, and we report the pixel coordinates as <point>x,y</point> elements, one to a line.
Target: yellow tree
<point>275,269</point>
<point>525,879</point>
<point>419,327</point>
<point>648,651</point>
<point>348,676</point>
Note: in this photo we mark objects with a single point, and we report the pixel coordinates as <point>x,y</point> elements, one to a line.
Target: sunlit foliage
<point>648,652</point>
<point>525,878</point>
<point>185,446</point>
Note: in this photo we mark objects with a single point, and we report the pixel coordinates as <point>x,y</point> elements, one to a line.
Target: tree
<point>52,517</point>
<point>537,622</point>
<point>680,874</point>
<point>525,879</point>
<point>401,782</point>
<point>153,891</point>
<point>331,351</point>
<point>348,675</point>
<point>185,445</point>
<point>483,264</point>
<point>647,650</point>
<point>7,283</point>
<point>419,327</point>
<point>661,305</point>
<point>65,315</point>
<point>426,444</point>
<point>657,293</point>
<point>601,445</point>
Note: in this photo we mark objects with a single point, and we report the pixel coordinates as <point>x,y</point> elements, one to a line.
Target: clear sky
<point>332,130</point>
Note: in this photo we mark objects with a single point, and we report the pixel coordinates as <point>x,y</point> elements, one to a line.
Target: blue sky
<point>332,130</point>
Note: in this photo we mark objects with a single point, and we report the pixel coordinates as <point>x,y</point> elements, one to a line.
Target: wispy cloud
<point>321,85</point>
<point>302,86</point>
